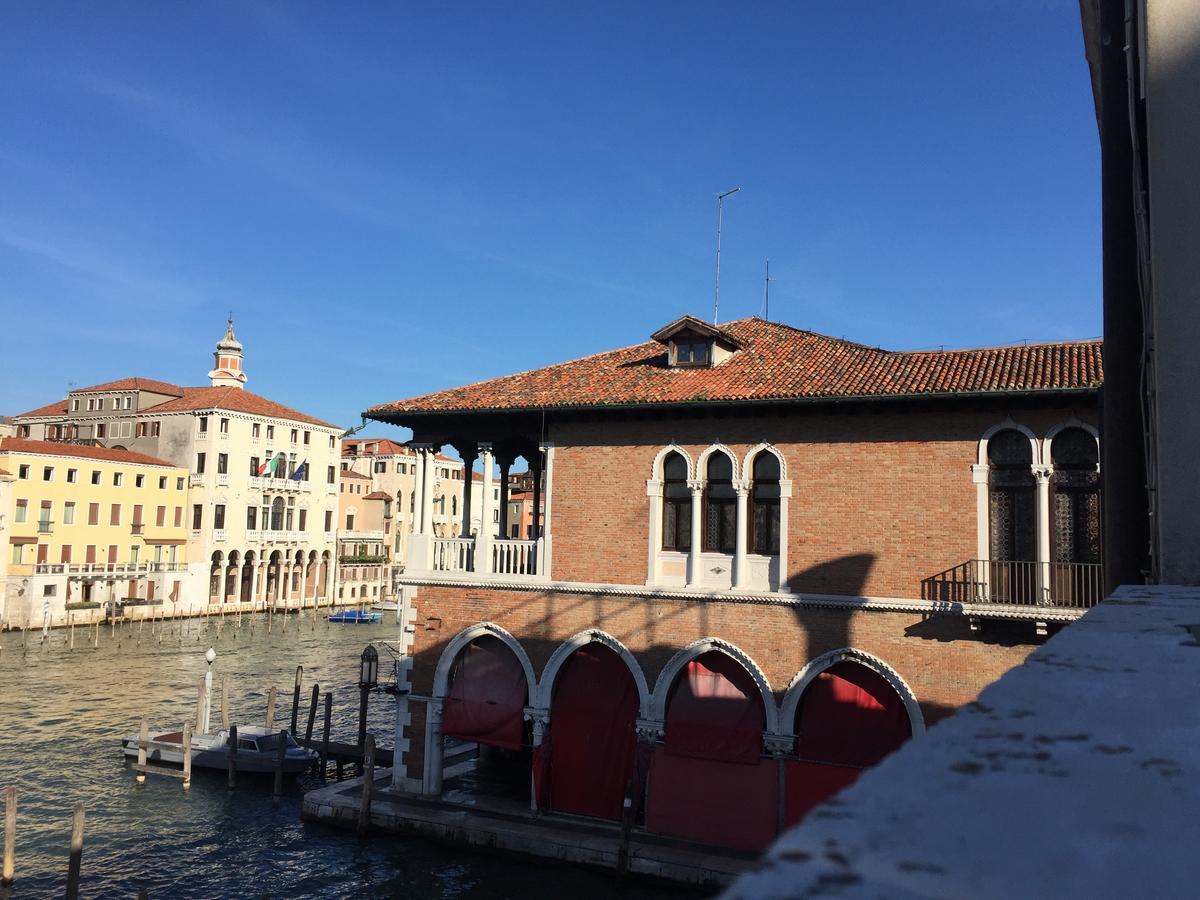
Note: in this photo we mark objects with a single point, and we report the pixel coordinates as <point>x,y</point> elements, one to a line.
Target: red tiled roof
<point>778,362</point>
<point>57,408</point>
<point>386,447</point>
<point>55,448</point>
<point>377,495</point>
<point>236,400</point>
<point>347,473</point>
<point>134,384</point>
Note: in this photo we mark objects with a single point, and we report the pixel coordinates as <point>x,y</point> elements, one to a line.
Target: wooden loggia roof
<point>776,363</point>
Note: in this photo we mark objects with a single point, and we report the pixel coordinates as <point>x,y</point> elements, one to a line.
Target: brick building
<point>761,559</point>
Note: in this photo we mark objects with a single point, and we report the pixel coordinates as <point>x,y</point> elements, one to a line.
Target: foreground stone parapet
<point>1076,774</point>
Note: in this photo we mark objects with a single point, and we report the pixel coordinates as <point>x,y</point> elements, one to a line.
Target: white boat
<point>257,750</point>
<point>386,606</point>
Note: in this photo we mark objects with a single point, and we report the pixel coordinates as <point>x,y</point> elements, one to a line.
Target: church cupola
<point>228,357</point>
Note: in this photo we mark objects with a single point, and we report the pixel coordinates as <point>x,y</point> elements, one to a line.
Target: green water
<point>63,712</point>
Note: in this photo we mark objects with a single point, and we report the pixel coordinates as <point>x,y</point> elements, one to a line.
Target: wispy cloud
<point>97,267</point>
<point>341,185</point>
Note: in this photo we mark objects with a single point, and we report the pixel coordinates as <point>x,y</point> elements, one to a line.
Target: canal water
<point>63,712</point>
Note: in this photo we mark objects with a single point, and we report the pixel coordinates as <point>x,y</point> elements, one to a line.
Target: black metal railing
<point>1018,583</point>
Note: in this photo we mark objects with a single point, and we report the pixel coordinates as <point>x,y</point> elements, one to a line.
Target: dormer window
<point>691,352</point>
<point>692,343</point>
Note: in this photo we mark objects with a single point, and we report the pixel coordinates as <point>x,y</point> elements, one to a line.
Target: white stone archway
<point>656,466</point>
<point>1009,425</point>
<point>806,676</point>
<point>701,471</point>
<point>545,689</point>
<point>1063,426</point>
<point>676,664</point>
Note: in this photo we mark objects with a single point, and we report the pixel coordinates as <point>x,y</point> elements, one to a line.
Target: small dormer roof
<point>695,326</point>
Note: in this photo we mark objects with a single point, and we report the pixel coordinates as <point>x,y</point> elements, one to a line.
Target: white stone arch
<point>806,676</point>
<point>545,689</point>
<point>441,675</point>
<point>657,466</point>
<point>701,472</point>
<point>1063,426</point>
<point>1034,444</point>
<point>676,664</point>
<point>748,461</point>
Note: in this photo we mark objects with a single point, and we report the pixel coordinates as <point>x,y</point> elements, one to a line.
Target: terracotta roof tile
<point>235,400</point>
<point>57,408</point>
<point>135,384</point>
<point>346,473</point>
<point>377,495</point>
<point>385,447</point>
<point>778,362</point>
<point>57,448</point>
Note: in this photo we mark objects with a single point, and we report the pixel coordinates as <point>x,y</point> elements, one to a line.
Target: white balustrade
<point>453,554</point>
<point>514,557</point>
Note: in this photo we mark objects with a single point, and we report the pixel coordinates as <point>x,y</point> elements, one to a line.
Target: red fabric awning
<point>851,716</point>
<point>487,696</point>
<point>715,712</point>
<point>808,785</point>
<point>592,734</point>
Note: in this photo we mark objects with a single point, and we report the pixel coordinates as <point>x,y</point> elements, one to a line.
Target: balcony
<point>49,569</point>
<point>1029,585</point>
<point>219,535</point>
<point>514,557</point>
<point>137,528</point>
<point>45,527</point>
<point>222,479</point>
<point>285,485</point>
<point>196,479</point>
<point>453,554</point>
<point>364,536</point>
<point>364,559</point>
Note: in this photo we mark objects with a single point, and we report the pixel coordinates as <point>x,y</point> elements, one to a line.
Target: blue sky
<point>398,198</point>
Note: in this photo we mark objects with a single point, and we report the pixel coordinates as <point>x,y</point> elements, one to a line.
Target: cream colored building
<point>263,477</point>
<point>86,529</point>
<point>365,524</point>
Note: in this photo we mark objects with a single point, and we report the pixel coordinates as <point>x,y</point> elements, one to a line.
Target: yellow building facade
<point>86,528</point>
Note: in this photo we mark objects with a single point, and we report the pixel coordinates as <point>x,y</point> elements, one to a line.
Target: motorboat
<point>386,606</point>
<point>257,750</point>
<point>356,617</point>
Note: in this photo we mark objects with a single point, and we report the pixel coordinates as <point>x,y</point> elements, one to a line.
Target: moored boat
<point>257,750</point>
<point>356,616</point>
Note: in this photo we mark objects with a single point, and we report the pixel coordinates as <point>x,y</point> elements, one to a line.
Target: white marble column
<point>741,577</point>
<point>695,565</point>
<point>1042,475</point>
<point>427,481</point>
<point>225,580</point>
<point>785,496</point>
<point>254,581</point>
<point>654,495</point>
<point>487,506</point>
<point>546,561</point>
<point>418,506</point>
<point>983,550</point>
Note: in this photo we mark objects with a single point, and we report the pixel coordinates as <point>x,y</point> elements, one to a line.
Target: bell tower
<point>228,371</point>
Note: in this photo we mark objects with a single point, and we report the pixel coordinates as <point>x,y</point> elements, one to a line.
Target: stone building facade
<point>760,559</point>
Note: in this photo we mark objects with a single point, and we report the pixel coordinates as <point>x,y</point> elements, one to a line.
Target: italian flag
<point>268,468</point>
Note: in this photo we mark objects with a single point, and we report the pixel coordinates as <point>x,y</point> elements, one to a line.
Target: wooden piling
<point>312,712</point>
<point>232,756</point>
<point>72,632</point>
<point>10,834</point>
<point>270,707</point>
<point>200,706</point>
<point>296,696</point>
<point>225,701</point>
<point>76,853</point>
<point>364,694</point>
<point>325,739</point>
<point>187,756</point>
<point>364,805</point>
<point>280,751</point>
<point>143,739</point>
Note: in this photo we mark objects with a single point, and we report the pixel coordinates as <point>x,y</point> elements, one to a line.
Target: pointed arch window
<point>764,505</point>
<point>1076,503</point>
<point>720,506</point>
<point>1012,511</point>
<point>677,504</point>
<point>277,508</point>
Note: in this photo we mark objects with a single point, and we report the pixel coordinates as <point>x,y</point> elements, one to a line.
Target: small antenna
<point>767,279</point>
<point>720,212</point>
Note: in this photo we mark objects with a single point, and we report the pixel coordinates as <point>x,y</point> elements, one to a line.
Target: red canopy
<point>715,712</point>
<point>851,716</point>
<point>486,703</point>
<point>592,735</point>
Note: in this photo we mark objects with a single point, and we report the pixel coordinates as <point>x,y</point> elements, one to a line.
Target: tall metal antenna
<point>717,289</point>
<point>767,279</point>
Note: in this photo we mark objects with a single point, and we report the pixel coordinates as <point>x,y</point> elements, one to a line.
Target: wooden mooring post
<point>10,834</point>
<point>143,740</point>
<point>200,705</point>
<point>225,701</point>
<point>280,752</point>
<point>187,756</point>
<point>232,756</point>
<point>364,805</point>
<point>76,853</point>
<point>270,708</point>
<point>325,738</point>
<point>312,713</point>
<point>296,696</point>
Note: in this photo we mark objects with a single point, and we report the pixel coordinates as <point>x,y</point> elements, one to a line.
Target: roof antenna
<point>717,289</point>
<point>767,279</point>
